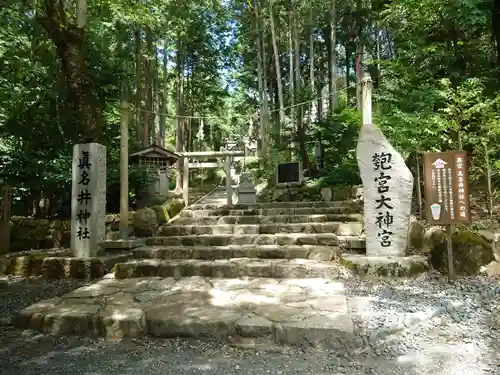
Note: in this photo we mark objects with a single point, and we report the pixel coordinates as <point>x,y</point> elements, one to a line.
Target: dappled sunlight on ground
<point>442,345</point>
<point>84,356</point>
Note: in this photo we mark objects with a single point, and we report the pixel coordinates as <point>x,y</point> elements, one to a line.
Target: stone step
<point>268,205</point>
<point>323,253</point>
<point>287,311</point>
<point>230,268</point>
<point>275,219</point>
<point>322,239</point>
<point>271,211</point>
<point>239,229</point>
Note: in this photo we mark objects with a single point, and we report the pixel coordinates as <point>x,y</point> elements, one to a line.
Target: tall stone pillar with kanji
<point>88,199</point>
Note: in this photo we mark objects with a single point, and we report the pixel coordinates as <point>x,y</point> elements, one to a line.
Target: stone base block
<point>385,266</point>
<point>247,198</point>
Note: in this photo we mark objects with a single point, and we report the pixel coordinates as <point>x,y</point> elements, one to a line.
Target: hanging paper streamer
<point>201,134</point>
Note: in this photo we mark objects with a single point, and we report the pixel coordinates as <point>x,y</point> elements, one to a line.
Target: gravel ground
<point>464,340</point>
<point>465,343</point>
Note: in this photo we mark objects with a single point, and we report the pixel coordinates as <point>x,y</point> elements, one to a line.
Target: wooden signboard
<point>289,173</point>
<point>5,203</point>
<point>446,188</point>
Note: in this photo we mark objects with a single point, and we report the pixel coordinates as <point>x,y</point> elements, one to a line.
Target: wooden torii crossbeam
<point>227,155</point>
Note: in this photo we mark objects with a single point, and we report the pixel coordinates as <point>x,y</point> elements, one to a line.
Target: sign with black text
<point>446,188</point>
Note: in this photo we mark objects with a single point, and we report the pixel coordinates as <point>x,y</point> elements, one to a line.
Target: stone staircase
<point>276,240</point>
<point>262,273</point>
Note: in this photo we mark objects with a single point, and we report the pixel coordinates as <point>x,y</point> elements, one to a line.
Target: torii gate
<point>223,153</point>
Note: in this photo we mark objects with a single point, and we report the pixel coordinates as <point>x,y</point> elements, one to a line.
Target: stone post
<point>366,99</point>
<point>124,229</point>
<point>229,188</point>
<point>185,181</point>
<point>88,199</point>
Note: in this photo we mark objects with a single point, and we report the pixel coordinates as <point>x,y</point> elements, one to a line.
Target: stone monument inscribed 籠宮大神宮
<point>387,190</point>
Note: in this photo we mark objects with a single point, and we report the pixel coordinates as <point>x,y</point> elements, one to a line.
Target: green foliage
<point>38,127</point>
<point>340,135</point>
<point>268,173</point>
<point>434,63</point>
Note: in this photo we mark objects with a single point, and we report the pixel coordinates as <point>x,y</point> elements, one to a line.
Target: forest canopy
<point>281,73</point>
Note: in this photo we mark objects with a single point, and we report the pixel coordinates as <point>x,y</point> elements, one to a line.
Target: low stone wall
<point>27,233</point>
<point>473,251</point>
<point>272,193</point>
<point>58,264</point>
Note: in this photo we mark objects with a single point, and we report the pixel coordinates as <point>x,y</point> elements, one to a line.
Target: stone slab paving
<point>275,219</point>
<point>230,268</point>
<point>324,253</point>
<point>337,228</point>
<point>291,311</point>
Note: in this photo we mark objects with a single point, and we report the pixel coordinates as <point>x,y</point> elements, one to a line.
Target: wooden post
<point>229,189</point>
<point>5,203</point>
<point>449,250</point>
<point>185,181</point>
<point>419,187</point>
<point>124,229</point>
<point>488,180</point>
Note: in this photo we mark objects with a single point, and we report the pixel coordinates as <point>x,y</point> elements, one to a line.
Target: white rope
<point>314,100</point>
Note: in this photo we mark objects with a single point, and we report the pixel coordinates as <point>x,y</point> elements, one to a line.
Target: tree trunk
<point>69,40</point>
<point>273,103</point>
<point>265,83</point>
<point>291,71</point>
<point>332,61</point>
<point>81,13</point>
<point>347,69</point>
<point>262,88</point>
<point>163,96</point>
<point>358,27</point>
<point>301,130</point>
<point>155,133</point>
<point>278,72</point>
<point>311,57</point>
<point>138,91</point>
<point>179,134</point>
<point>359,71</point>
<point>495,17</point>
<point>149,75</point>
<point>377,65</point>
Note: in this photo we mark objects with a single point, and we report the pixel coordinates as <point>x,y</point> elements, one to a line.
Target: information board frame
<point>446,188</point>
